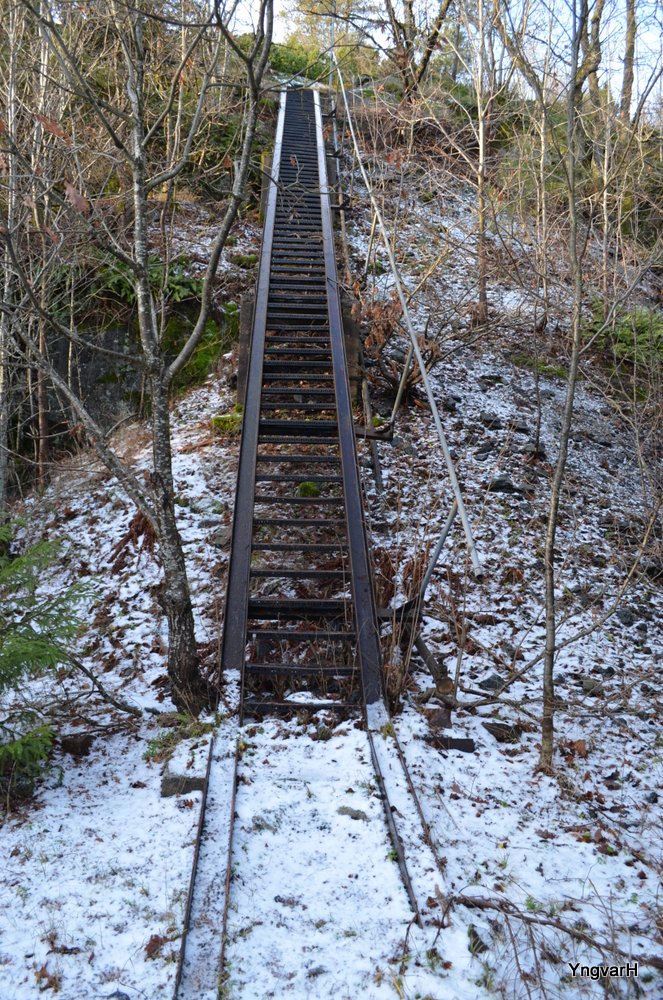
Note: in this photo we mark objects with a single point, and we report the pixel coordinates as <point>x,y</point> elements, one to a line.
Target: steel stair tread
<point>301,669</point>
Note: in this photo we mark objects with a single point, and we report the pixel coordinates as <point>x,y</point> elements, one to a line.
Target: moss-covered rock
<point>228,423</point>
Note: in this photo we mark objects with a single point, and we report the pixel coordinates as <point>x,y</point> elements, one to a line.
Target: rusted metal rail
<point>300,621</point>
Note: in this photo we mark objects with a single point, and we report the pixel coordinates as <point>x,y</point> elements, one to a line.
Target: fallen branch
<point>510,909</point>
<point>119,703</point>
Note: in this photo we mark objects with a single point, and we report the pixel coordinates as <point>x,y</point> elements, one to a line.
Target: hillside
<point>538,871</point>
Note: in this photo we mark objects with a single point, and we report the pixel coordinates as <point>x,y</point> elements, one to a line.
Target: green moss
<point>203,359</point>
<point>216,339</point>
<point>538,364</point>
<point>377,267</point>
<point>177,727</point>
<point>228,423</point>
<point>112,185</point>
<point>245,260</point>
<point>308,489</point>
<point>109,378</point>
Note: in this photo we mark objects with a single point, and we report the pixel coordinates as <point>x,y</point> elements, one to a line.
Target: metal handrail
<point>368,640</point>
<point>415,349</point>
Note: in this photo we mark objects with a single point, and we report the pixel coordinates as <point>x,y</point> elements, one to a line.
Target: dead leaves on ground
<point>141,533</point>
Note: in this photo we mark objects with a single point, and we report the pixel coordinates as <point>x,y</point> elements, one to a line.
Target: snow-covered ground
<point>96,866</point>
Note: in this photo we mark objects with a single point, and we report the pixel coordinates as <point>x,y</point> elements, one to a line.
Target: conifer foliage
<point>34,630</point>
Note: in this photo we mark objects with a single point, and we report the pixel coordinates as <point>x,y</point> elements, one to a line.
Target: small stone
<point>652,798</point>
<point>352,813</point>
<point>210,522</point>
<point>492,683</point>
<point>592,687</point>
<point>625,616</point>
<point>221,537</point>
<point>439,742</point>
<point>484,450</point>
<point>518,426</point>
<point>534,453</point>
<point>440,718</point>
<point>504,732</point>
<point>77,744</point>
<point>490,420</point>
<point>404,446</point>
<point>502,484</point>
<point>181,784</point>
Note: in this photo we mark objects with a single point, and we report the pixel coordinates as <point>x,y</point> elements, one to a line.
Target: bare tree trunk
<point>483,85</point>
<point>5,411</point>
<point>38,153</point>
<point>42,414</point>
<point>455,64</point>
<point>589,33</point>
<point>629,60</point>
<point>482,216</point>
<point>8,284</point>
<point>189,692</point>
<point>547,726</point>
<point>183,660</point>
<point>413,45</point>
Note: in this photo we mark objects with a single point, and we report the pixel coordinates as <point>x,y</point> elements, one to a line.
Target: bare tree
<point>582,65</point>
<point>13,30</point>
<point>415,39</point>
<point>131,118</point>
<point>629,61</point>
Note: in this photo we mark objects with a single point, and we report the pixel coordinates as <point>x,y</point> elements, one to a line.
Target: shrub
<point>33,630</point>
<point>116,278</point>
<point>634,338</point>
<point>291,58</point>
